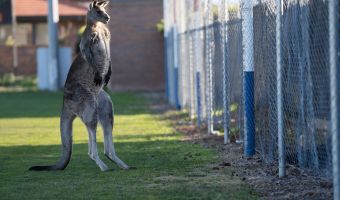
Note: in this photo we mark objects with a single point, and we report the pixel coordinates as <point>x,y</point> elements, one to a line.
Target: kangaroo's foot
<point>117,160</point>
<point>103,167</point>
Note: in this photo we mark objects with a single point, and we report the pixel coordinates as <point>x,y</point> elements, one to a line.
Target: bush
<point>160,26</point>
<point>7,79</point>
<point>10,79</point>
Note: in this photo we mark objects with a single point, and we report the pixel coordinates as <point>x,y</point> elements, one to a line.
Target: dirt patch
<point>261,176</point>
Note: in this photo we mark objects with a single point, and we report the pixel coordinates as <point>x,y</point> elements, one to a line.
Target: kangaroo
<point>83,92</point>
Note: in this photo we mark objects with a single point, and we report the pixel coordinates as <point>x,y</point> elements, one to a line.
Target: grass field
<point>166,166</point>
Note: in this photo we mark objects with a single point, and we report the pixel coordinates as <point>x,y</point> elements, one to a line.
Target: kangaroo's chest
<point>102,46</point>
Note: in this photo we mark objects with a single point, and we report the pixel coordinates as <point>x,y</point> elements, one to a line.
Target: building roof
<point>38,8</point>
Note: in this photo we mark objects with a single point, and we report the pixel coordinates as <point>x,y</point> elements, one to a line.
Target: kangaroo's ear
<point>102,3</point>
<point>91,5</point>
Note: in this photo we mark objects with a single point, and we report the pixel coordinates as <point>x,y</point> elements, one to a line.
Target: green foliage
<point>81,30</point>
<point>160,26</point>
<point>234,8</point>
<point>167,167</point>
<point>214,9</point>
<point>18,81</point>
<point>233,107</point>
<point>7,79</point>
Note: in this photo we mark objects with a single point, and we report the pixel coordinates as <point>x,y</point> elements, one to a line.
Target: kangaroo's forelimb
<point>92,52</point>
<point>66,120</point>
<point>108,75</point>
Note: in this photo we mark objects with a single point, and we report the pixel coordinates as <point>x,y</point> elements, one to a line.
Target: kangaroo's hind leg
<point>105,114</point>
<point>89,116</point>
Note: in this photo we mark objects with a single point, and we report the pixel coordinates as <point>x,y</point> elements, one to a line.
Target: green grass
<point>167,167</point>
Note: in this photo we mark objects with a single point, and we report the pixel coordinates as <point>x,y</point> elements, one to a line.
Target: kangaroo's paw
<point>98,80</point>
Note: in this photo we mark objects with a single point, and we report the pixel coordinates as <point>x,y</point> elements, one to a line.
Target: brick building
<point>32,32</point>
<point>136,46</point>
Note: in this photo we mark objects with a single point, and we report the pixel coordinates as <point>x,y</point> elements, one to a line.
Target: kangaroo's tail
<point>66,120</point>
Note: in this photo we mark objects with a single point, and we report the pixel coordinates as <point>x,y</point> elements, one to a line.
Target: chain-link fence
<point>262,67</point>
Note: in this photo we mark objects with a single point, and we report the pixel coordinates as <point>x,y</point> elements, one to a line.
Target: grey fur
<point>84,95</point>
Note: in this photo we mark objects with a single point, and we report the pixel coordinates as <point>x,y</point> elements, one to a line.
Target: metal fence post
<point>224,31</point>
<point>176,63</point>
<point>53,20</point>
<point>176,10</point>
<point>280,125</point>
<point>197,63</point>
<point>168,33</point>
<point>191,76</point>
<point>14,33</point>
<point>166,41</point>
<point>248,77</point>
<point>209,88</point>
<point>333,7</point>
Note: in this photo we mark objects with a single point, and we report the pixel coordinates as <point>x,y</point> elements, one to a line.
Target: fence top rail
<point>213,25</point>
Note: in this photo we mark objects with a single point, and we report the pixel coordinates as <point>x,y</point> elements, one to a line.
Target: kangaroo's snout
<point>107,18</point>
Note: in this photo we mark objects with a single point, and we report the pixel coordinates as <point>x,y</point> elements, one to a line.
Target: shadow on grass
<point>151,154</point>
<point>146,136</point>
<point>164,170</point>
<point>48,104</point>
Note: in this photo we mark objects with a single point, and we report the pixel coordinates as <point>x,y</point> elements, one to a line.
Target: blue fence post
<point>171,66</point>
<point>177,103</point>
<point>248,77</point>
<point>167,49</point>
<point>198,96</point>
<point>176,65</point>
<point>53,54</point>
<point>333,10</point>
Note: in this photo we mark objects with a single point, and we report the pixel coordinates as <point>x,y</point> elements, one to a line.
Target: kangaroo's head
<point>97,12</point>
